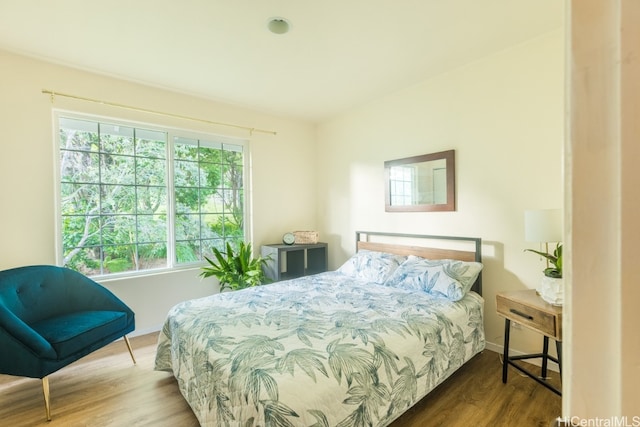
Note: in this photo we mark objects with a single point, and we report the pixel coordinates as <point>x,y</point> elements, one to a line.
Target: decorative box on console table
<point>306,237</point>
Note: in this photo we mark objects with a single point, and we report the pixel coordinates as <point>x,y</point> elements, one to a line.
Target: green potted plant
<point>555,259</point>
<point>551,289</point>
<point>235,270</point>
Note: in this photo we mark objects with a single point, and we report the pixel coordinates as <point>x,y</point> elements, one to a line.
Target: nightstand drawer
<point>527,315</point>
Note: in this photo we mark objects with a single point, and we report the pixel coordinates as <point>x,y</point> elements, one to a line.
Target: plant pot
<point>551,290</point>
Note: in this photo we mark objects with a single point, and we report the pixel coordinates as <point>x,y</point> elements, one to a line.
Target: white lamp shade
<point>543,225</point>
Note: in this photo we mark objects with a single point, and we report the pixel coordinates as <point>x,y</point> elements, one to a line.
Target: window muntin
<point>402,182</point>
<point>209,196</point>
<point>120,212</point>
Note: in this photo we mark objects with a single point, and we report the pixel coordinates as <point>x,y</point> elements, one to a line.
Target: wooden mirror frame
<point>450,205</point>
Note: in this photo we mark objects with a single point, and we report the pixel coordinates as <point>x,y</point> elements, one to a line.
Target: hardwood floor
<point>475,396</point>
<point>106,389</point>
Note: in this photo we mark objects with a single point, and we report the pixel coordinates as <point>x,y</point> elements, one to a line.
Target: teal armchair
<point>52,316</point>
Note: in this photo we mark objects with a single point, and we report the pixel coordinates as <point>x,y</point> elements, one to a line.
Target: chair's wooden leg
<point>45,390</point>
<point>126,340</point>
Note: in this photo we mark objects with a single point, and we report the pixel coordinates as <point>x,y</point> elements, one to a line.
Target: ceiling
<point>338,54</point>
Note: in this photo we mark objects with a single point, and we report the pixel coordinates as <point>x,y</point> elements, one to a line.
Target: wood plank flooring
<point>106,389</point>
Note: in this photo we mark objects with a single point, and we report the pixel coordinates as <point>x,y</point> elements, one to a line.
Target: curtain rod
<point>145,110</point>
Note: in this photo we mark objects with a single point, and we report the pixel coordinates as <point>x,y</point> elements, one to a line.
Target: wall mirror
<point>421,183</point>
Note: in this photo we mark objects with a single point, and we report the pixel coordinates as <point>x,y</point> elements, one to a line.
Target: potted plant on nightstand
<point>551,289</point>
<point>235,270</point>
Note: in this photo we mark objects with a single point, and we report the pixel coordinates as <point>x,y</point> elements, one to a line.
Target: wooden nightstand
<point>529,310</point>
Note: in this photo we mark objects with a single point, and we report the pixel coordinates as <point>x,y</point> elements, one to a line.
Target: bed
<point>353,347</point>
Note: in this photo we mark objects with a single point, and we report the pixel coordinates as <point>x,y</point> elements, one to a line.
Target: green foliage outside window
<point>115,197</point>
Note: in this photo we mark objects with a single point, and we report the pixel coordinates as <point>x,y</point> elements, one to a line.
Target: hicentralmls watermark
<point>599,422</point>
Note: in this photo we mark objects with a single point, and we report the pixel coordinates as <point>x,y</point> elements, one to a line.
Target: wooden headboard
<point>425,246</point>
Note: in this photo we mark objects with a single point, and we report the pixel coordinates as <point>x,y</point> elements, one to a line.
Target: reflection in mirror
<point>421,183</point>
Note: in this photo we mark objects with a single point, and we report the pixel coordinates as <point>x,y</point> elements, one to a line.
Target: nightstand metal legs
<point>545,357</point>
<point>505,356</point>
<point>509,360</point>
<point>559,352</point>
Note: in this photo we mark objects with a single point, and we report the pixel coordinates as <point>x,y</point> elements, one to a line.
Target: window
<point>209,196</point>
<point>136,198</point>
<point>402,184</point>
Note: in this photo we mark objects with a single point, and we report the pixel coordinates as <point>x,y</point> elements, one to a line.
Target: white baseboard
<point>553,366</point>
<point>145,331</point>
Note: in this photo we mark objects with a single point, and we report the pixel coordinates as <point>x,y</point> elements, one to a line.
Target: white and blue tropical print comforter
<point>322,350</point>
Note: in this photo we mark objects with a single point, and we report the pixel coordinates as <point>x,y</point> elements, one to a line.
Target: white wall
<point>27,216</point>
<point>504,117</point>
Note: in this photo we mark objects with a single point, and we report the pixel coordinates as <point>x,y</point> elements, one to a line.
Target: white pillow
<point>447,278</point>
<point>371,266</point>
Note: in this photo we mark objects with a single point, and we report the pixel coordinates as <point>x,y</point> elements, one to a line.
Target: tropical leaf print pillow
<point>371,266</point>
<point>450,279</point>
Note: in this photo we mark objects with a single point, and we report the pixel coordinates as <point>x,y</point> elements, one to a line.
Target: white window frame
<point>171,132</point>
